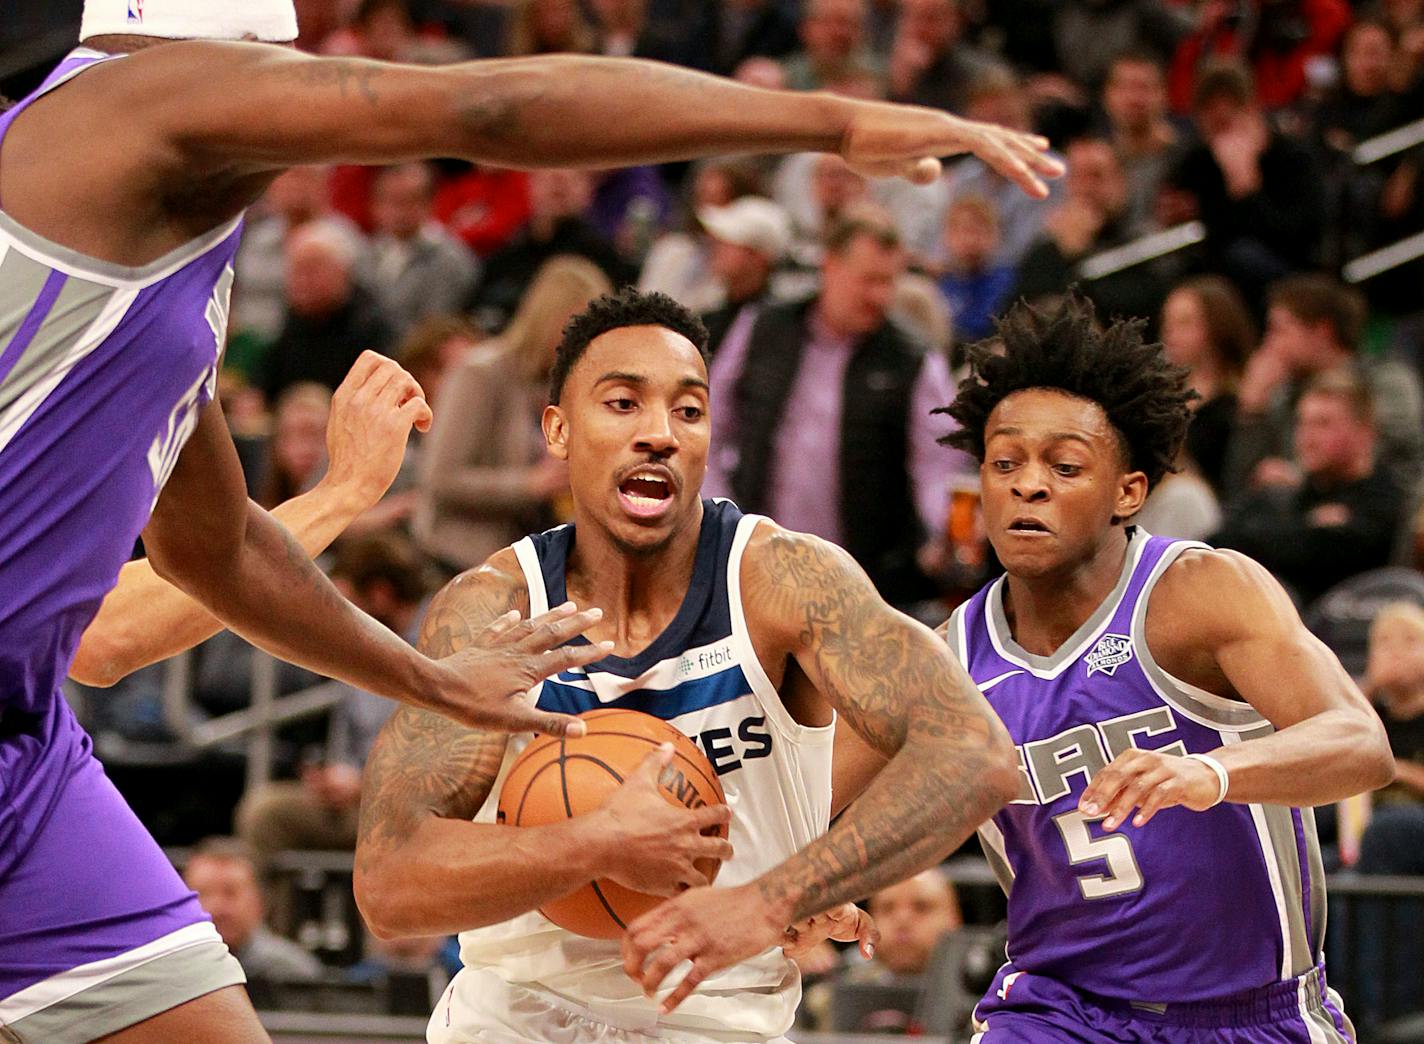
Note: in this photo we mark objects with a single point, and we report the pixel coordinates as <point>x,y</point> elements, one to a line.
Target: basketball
<point>555,778</point>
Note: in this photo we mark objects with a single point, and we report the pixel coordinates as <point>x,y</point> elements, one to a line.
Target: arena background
<point>1244,176</point>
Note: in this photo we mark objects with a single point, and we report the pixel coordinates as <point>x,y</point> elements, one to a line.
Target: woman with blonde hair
<point>485,478</point>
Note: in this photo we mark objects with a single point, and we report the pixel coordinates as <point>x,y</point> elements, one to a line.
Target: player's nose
<point>656,435</point>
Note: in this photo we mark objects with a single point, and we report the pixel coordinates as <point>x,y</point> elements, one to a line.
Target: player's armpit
<point>951,762</point>
<point>1221,622</point>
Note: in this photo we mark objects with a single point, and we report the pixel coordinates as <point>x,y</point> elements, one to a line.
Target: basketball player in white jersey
<point>745,636</point>
<point>123,180</point>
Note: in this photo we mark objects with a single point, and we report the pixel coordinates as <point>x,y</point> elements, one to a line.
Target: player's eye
<point>621,404</point>
<point>690,414</point>
<point>1068,470</point>
<point>1003,465</point>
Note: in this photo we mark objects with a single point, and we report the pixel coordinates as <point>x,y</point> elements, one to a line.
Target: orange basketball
<point>554,779</point>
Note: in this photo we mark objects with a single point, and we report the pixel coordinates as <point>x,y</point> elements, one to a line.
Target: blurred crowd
<point>1243,176</point>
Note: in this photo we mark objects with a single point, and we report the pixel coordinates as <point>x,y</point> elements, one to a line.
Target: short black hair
<point>627,307</point>
<point>1147,399</point>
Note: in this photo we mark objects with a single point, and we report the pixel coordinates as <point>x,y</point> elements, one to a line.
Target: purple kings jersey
<point>103,371</point>
<point>1194,905</point>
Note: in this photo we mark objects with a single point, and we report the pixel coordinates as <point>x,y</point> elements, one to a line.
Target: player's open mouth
<point>646,493</point>
<point>1024,525</point>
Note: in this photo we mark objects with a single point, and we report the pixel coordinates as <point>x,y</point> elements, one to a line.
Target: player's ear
<point>1131,495</point>
<point>556,431</point>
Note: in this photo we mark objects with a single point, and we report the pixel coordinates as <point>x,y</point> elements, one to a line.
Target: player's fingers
<point>710,846</point>
<point>553,629</point>
<point>923,171</point>
<point>367,363</point>
<point>1132,795</point>
<point>651,767</point>
<point>518,716</point>
<point>526,627</point>
<point>567,657</point>
<point>1105,785</point>
<point>1160,797</point>
<point>498,626</point>
<point>660,965</point>
<point>416,412</point>
<point>689,982</point>
<point>711,815</point>
<point>866,934</point>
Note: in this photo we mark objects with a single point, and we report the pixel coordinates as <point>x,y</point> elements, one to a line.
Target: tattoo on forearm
<point>423,763</point>
<point>901,690</point>
<point>349,77</point>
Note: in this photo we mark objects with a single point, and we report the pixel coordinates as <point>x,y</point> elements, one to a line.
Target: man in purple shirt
<point>824,404</point>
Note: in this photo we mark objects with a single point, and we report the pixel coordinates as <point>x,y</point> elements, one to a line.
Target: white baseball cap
<point>751,221</point>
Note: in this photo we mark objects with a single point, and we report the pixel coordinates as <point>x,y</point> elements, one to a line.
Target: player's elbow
<point>98,662</point>
<point>1377,758</point>
<point>378,897</point>
<point>1001,773</point>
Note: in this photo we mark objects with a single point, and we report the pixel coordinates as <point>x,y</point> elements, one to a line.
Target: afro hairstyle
<point>1146,398</point>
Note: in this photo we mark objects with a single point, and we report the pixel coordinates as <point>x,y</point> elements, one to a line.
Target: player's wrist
<point>1220,782</point>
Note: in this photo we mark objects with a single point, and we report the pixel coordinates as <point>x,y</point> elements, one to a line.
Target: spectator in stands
<point>485,477</point>
<point>999,96</point>
<point>1134,102</point>
<point>833,46</point>
<point>975,287</point>
<point>1089,34</point>
<point>1340,516</point>
<point>483,206</point>
<point>549,27</point>
<point>912,916</point>
<point>296,196</point>
<point>737,30</point>
<point>829,418</point>
<point>386,576</point>
<point>1279,40</point>
<point>1364,102</point>
<point>680,262</point>
<point>559,200</point>
<point>296,451</point>
<point>930,62</point>
<point>221,870</point>
<point>387,30</point>
<point>433,349</point>
<point>1406,19</point>
<point>1094,217</point>
<point>1313,325</point>
<point>1258,192</point>
<point>1207,328</point>
<point>415,268</point>
<point>623,28</point>
<point>1393,841</point>
<point>330,319</point>
<point>749,237</point>
<point>814,188</point>
<point>631,206</point>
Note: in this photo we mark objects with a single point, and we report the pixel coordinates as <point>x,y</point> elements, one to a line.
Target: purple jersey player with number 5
<point>1174,719</point>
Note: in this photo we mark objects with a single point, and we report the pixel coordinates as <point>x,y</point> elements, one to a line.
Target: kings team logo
<point>1111,652</point>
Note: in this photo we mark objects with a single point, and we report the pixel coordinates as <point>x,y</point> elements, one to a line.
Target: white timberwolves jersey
<point>702,676</point>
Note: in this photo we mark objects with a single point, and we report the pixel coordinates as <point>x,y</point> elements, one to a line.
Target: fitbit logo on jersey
<point>727,749</point>
<point>706,660</point>
<point>1111,652</point>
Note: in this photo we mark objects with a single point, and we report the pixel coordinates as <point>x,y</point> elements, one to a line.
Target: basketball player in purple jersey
<point>123,179</point>
<point>1175,720</point>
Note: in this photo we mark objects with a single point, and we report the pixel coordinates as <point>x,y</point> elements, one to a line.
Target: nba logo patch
<point>135,10</point>
<point>1111,652</point>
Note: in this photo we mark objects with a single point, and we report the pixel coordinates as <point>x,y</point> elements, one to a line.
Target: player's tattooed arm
<point>422,866</point>
<point>951,763</point>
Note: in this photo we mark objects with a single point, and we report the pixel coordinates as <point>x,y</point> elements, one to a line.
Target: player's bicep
<point>262,107</point>
<point>1264,648</point>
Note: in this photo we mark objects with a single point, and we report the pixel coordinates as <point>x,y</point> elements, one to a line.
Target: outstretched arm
<point>208,539</point>
<point>1221,622</point>
<point>423,868</point>
<point>257,108</point>
<point>951,763</point>
<point>145,619</point>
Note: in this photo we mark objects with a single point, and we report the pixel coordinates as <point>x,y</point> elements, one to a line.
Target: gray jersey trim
<point>79,303</point>
<point>1202,707</point>
<point>1001,635</point>
<point>132,996</point>
<point>1316,867</point>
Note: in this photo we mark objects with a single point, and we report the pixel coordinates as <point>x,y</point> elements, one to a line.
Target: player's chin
<point>1041,558</point>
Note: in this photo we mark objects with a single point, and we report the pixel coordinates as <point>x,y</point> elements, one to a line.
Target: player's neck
<point>1045,611</point>
<point>638,593</point>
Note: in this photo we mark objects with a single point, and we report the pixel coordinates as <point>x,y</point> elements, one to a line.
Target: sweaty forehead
<point>1043,413</point>
<point>654,353</point>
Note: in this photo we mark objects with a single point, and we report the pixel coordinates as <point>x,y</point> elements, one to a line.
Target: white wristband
<point>1222,779</point>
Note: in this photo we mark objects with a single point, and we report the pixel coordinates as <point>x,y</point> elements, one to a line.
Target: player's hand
<point>906,141</point>
<point>372,413</point>
<point>1148,781</point>
<point>484,684</point>
<point>844,923</point>
<point>714,928</point>
<point>654,845</point>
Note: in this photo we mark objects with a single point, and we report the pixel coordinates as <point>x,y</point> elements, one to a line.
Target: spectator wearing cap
<point>828,426</point>
<point>749,238</point>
